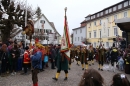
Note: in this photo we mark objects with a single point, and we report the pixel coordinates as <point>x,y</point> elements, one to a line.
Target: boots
<point>86,66</point>
<point>56,77</point>
<point>66,75</point>
<point>36,84</point>
<point>82,66</point>
<point>99,67</point>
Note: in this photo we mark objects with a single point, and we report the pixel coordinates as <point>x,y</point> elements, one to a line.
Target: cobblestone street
<point>45,77</point>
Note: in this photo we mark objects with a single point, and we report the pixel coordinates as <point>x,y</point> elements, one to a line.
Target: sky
<point>77,10</point>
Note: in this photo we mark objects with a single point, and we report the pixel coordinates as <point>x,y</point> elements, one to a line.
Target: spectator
<point>91,77</point>
<point>120,80</point>
<point>15,54</point>
<point>3,59</point>
<point>121,62</point>
<point>26,59</point>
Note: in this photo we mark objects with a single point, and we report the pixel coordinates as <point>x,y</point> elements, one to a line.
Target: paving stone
<point>45,77</point>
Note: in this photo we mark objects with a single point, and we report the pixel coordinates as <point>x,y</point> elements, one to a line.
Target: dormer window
<point>114,8</point>
<point>119,6</point>
<point>125,3</point>
<point>98,15</point>
<point>93,16</point>
<point>110,10</point>
<point>101,13</point>
<point>106,12</point>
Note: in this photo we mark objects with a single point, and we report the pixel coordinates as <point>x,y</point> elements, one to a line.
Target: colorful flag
<point>65,42</point>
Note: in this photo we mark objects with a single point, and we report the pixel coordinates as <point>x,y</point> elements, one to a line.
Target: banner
<point>65,42</point>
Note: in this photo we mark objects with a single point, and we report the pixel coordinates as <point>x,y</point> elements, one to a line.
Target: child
<point>121,63</point>
<point>120,80</point>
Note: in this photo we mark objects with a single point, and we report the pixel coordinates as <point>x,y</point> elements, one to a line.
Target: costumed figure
<point>90,55</point>
<point>78,54</point>
<point>114,58</point>
<point>101,57</point>
<point>29,29</point>
<point>62,64</point>
<point>71,56</point>
<point>36,60</point>
<point>97,53</point>
<point>84,58</point>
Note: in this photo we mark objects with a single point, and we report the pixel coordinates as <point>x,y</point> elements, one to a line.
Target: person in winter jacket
<point>26,59</point>
<point>36,60</point>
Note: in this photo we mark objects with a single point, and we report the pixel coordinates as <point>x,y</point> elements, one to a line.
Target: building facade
<point>101,27</point>
<point>44,30</point>
<point>79,34</point>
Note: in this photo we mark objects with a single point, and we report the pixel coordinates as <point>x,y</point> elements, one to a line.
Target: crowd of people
<point>15,57</point>
<point>114,57</point>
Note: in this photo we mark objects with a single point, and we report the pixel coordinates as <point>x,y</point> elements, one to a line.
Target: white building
<point>44,30</point>
<point>79,34</point>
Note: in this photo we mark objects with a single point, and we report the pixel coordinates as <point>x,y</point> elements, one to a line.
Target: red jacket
<point>26,57</point>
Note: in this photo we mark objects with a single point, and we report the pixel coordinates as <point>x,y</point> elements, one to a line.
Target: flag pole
<point>65,11</point>
<point>25,22</point>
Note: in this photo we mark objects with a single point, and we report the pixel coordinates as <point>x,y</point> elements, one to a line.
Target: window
<point>94,44</point>
<point>93,16</point>
<point>114,8</point>
<point>119,6</point>
<point>106,12</point>
<point>42,21</point>
<point>125,14</point>
<point>100,33</point>
<point>108,32</point>
<point>80,30</point>
<point>44,30</point>
<point>107,44</point>
<point>110,10</point>
<point>94,34</point>
<point>95,23</point>
<point>78,38</point>
<point>115,32</point>
<point>125,3</point>
<point>98,15</point>
<point>101,13</point>
<point>88,18</point>
<point>115,16</point>
<point>90,24</point>
<point>129,2</point>
<point>81,38</point>
<point>89,34</point>
<point>100,22</point>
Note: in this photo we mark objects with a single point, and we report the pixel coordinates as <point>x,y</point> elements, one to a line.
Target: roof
<point>78,28</point>
<point>123,24</point>
<point>51,23</point>
<point>83,22</point>
<point>107,8</point>
<point>54,27</point>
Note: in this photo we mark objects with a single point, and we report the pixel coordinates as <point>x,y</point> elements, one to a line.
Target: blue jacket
<point>37,60</point>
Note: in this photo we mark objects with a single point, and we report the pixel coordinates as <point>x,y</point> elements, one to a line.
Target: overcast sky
<point>77,10</point>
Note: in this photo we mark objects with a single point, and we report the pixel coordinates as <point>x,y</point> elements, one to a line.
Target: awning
<point>123,24</point>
